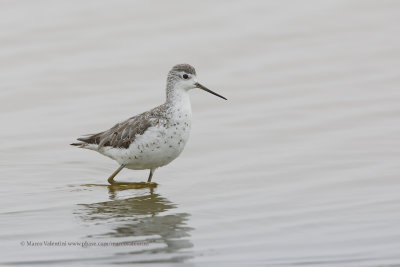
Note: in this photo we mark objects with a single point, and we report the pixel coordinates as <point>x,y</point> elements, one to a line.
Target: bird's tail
<point>88,142</point>
<point>78,144</point>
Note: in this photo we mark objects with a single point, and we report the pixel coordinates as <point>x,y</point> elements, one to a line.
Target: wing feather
<point>121,135</point>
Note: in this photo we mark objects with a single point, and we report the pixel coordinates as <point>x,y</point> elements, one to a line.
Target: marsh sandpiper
<point>154,138</point>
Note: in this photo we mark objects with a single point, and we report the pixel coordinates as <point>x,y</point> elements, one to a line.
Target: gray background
<point>299,166</point>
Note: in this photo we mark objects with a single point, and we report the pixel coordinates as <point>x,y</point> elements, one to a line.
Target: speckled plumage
<point>154,138</point>
<point>122,134</point>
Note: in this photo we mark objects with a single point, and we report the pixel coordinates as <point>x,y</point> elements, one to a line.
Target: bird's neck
<point>178,103</point>
<point>177,96</point>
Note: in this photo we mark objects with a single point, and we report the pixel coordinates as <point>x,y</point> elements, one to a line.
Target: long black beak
<point>208,90</point>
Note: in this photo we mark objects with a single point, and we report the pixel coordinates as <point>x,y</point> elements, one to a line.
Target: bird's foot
<point>135,185</point>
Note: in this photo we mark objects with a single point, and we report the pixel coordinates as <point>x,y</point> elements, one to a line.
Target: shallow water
<point>299,167</point>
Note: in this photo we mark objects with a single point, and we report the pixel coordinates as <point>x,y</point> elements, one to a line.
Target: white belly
<point>157,147</point>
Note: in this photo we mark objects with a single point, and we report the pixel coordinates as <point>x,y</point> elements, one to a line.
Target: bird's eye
<point>185,76</point>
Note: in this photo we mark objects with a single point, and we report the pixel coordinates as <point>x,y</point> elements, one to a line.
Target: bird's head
<point>183,77</point>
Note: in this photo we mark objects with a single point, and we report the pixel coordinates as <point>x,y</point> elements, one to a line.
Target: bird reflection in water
<point>144,217</point>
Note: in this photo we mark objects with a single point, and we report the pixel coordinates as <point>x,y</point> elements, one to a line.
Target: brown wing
<point>124,133</point>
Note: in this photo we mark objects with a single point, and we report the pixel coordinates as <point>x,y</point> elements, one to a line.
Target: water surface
<point>299,167</point>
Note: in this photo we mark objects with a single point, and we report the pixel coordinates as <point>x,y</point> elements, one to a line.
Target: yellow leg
<point>111,178</point>
<point>150,175</point>
<point>135,185</point>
